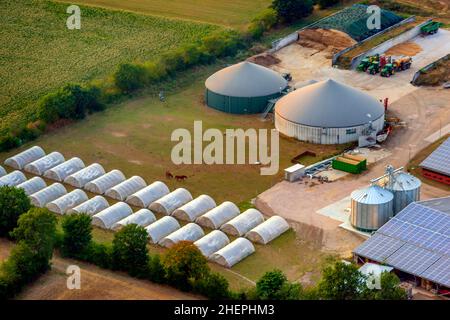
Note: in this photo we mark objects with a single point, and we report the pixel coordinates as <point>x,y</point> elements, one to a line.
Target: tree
<point>389,289</point>
<point>77,234</point>
<point>156,272</point>
<point>184,264</point>
<point>291,10</point>
<point>130,77</point>
<point>273,285</point>
<point>341,282</point>
<point>213,286</point>
<point>323,4</point>
<point>13,203</point>
<point>129,250</point>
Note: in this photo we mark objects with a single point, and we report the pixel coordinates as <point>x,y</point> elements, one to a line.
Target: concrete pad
<point>347,226</point>
<point>438,134</point>
<point>339,210</point>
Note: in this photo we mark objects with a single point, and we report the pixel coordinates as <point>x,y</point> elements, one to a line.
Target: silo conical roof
<point>403,182</point>
<point>246,79</point>
<point>372,195</point>
<point>329,104</point>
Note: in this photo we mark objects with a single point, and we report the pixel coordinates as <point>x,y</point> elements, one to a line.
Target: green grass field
<point>230,13</point>
<point>39,54</point>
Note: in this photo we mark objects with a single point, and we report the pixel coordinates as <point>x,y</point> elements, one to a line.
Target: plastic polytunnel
<point>46,195</point>
<point>65,169</point>
<point>2,171</point>
<point>33,185</point>
<point>162,228</point>
<point>268,230</point>
<point>195,208</point>
<point>91,207</point>
<point>126,188</point>
<point>190,232</point>
<point>143,218</point>
<point>80,178</point>
<point>107,218</point>
<point>68,201</point>
<point>167,204</point>
<point>105,182</point>
<point>212,242</point>
<point>243,223</point>
<point>233,253</point>
<point>216,217</point>
<point>144,197</point>
<point>13,179</point>
<point>39,166</point>
<point>19,161</point>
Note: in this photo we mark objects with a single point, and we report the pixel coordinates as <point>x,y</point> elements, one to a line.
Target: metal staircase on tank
<point>269,107</point>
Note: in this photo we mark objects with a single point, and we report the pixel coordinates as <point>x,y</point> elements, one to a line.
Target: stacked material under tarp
<point>13,179</point>
<point>268,230</point>
<point>144,197</point>
<point>19,161</point>
<point>107,218</point>
<point>105,182</point>
<point>46,195</point>
<point>33,185</point>
<point>39,166</point>
<point>233,253</point>
<point>80,178</point>
<point>212,242</point>
<point>216,217</point>
<point>2,171</point>
<point>162,228</point>
<point>67,202</point>
<point>143,218</point>
<point>195,208</point>
<point>190,232</point>
<point>126,188</point>
<point>170,202</point>
<point>243,223</point>
<point>91,207</point>
<point>65,169</point>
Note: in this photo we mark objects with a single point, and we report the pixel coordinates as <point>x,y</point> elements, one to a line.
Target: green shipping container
<point>346,167</point>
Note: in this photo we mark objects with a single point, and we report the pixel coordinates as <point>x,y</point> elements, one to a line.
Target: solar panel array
<point>439,159</point>
<point>416,241</point>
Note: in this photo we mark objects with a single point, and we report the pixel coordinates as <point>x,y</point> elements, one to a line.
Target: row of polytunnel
<point>201,212</point>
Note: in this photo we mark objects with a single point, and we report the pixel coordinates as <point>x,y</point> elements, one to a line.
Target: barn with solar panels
<point>416,243</point>
<point>437,165</point>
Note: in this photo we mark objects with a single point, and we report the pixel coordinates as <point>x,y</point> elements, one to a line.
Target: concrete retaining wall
<point>427,67</point>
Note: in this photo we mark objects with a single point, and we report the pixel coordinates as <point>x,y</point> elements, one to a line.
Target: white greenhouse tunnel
<point>144,197</point>
<point>216,217</point>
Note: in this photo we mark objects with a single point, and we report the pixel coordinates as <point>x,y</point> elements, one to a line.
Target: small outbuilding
<point>38,167</point>
<point>13,179</point>
<point>91,207</point>
<point>195,208</point>
<point>162,228</point>
<point>212,242</point>
<point>105,182</point>
<point>190,232</point>
<point>48,194</point>
<point>170,202</point>
<point>107,218</point>
<point>269,230</point>
<point>233,253</point>
<point>33,185</point>
<point>144,197</point>
<point>243,223</point>
<point>126,188</point>
<point>67,201</point>
<point>216,217</point>
<point>65,169</point>
<point>243,88</point>
<point>19,161</point>
<point>80,178</point>
<point>143,218</point>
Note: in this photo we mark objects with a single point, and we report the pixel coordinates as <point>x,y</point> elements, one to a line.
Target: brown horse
<point>169,175</point>
<point>180,178</point>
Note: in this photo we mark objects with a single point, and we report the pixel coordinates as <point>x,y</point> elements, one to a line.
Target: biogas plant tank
<point>371,208</point>
<point>405,188</point>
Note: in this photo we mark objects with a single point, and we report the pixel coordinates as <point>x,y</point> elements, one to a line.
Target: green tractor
<point>374,67</point>
<point>388,70</point>
<point>430,28</point>
<point>363,65</point>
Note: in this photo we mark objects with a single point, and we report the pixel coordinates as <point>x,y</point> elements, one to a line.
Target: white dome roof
<point>329,104</point>
<point>245,79</point>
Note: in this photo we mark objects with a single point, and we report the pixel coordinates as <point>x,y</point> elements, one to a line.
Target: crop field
<point>39,54</point>
<point>230,13</point>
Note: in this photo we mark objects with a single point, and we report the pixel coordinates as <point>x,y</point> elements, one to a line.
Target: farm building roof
<point>415,241</point>
<point>246,79</point>
<point>329,104</point>
<point>439,159</point>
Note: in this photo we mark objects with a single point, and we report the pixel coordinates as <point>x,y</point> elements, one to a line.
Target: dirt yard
<point>408,48</point>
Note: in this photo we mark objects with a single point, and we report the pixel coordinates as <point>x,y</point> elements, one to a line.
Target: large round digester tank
<point>371,208</point>
<point>405,188</point>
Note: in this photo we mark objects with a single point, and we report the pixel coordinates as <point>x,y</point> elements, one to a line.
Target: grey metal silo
<point>371,208</point>
<point>405,188</point>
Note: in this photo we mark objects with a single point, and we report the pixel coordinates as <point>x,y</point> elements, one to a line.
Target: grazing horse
<point>181,178</point>
<point>169,175</point>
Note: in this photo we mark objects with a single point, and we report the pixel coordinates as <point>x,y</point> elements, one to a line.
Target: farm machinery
<point>385,65</point>
<point>430,28</point>
<point>395,65</point>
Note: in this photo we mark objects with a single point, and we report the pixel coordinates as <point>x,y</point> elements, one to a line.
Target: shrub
<point>213,286</point>
<point>13,203</point>
<point>262,22</point>
<point>323,4</point>
<point>291,10</point>
<point>9,142</point>
<point>59,104</point>
<point>270,284</point>
<point>184,264</point>
<point>77,234</point>
<point>156,271</point>
<point>99,254</point>
<point>129,251</point>
<point>129,77</point>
